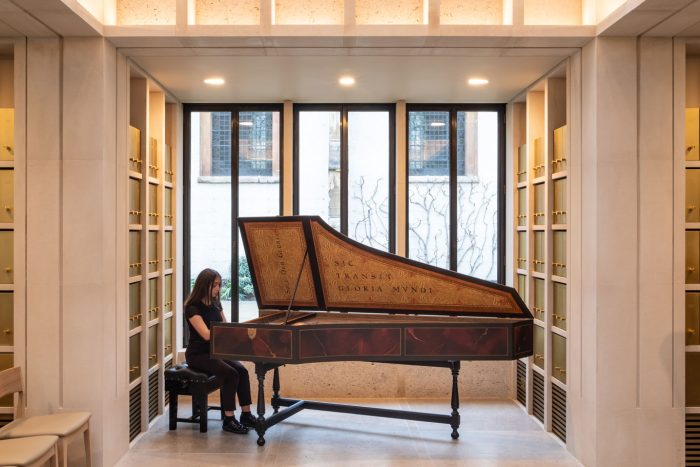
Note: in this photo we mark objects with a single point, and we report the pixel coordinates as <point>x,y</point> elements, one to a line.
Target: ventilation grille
<point>166,395</point>
<point>153,392</point>
<point>134,412</point>
<point>559,412</point>
<point>692,439</point>
<point>538,396</point>
<point>521,382</point>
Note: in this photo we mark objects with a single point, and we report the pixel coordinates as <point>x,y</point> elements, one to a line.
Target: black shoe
<point>248,419</point>
<point>232,426</point>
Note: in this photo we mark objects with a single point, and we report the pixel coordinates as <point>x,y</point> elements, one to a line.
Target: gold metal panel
<point>135,161</point>
<point>152,346</point>
<point>152,298</point>
<point>134,357</point>
<point>559,153</point>
<point>538,299</point>
<point>559,253</point>
<point>7,361</point>
<point>168,295</point>
<point>135,314</point>
<point>538,260</point>
<point>692,379</point>
<point>153,205</point>
<point>522,286</point>
<point>538,336</point>
<point>522,163</point>
<point>135,260</point>
<point>7,196</point>
<point>153,161</point>
<point>7,275</point>
<point>559,212</point>
<point>559,357</point>
<point>692,136</point>
<point>168,163</point>
<point>692,195</point>
<point>522,207</point>
<point>538,212</point>
<point>7,326</point>
<point>692,318</point>
<point>168,336</point>
<point>7,134</point>
<point>152,251</point>
<point>559,305</point>
<point>522,250</point>
<point>134,201</point>
<point>168,208</point>
<point>168,250</point>
<point>692,257</point>
<point>538,164</point>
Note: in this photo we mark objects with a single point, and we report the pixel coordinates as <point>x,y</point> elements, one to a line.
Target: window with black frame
<point>232,162</point>
<point>344,169</point>
<point>454,202</point>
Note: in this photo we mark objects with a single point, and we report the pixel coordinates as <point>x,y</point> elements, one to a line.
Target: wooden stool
<point>182,380</point>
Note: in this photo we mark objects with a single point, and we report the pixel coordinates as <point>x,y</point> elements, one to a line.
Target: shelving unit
<point>151,240</point>
<point>540,245</point>
<point>691,219</point>
<point>7,226</point>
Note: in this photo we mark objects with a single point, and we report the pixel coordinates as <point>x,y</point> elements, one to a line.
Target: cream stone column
<point>44,359</point>
<point>76,332</point>
<point>622,408</point>
<point>94,329</point>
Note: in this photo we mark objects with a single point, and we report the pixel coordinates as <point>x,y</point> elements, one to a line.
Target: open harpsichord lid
<point>341,274</point>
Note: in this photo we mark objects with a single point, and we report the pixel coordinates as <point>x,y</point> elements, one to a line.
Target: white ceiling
<point>382,75</point>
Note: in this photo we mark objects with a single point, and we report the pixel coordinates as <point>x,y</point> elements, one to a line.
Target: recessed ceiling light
<point>246,123</point>
<point>477,81</point>
<point>214,81</point>
<point>346,81</point>
<point>437,123</point>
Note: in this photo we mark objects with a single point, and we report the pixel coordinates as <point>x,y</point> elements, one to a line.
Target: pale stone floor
<point>492,433</point>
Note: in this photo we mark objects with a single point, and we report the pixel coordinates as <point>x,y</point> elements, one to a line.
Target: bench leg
<point>172,418</point>
<point>203,408</point>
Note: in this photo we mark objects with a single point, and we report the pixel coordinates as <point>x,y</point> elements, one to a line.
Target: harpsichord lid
<point>341,274</point>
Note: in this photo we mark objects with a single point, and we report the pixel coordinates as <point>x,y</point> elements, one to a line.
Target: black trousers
<point>233,374</point>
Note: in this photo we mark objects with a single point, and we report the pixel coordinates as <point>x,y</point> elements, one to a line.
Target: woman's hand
<point>200,326</point>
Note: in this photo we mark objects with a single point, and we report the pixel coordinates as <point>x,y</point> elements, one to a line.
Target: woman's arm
<point>223,318</point>
<point>200,326</point>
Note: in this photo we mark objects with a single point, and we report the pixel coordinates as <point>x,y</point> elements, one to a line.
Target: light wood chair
<point>34,451</point>
<point>65,425</point>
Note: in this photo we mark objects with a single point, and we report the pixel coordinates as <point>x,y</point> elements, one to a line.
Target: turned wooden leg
<point>455,400</point>
<point>275,390</point>
<point>260,422</point>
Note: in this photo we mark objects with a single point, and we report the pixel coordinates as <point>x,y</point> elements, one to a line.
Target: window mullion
<point>234,215</point>
<point>453,189</point>
<point>344,170</point>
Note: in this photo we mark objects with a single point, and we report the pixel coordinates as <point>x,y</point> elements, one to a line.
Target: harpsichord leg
<point>276,390</point>
<point>455,400</point>
<point>260,371</point>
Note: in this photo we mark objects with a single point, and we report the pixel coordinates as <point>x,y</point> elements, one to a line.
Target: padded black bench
<point>182,380</point>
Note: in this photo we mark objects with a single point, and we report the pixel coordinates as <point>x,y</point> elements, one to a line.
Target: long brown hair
<point>201,292</point>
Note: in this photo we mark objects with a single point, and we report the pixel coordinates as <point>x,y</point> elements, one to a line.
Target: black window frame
<point>453,109</point>
<point>235,110</point>
<point>344,109</point>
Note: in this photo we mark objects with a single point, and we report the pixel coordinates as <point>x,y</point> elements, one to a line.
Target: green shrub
<point>245,283</point>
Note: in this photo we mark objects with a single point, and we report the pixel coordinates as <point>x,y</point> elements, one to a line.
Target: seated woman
<point>203,307</point>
